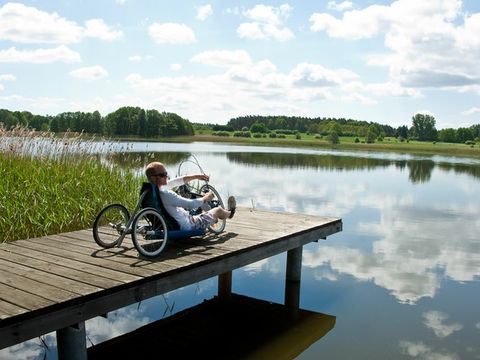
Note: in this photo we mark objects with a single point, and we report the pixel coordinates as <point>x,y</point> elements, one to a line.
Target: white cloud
<point>344,5</point>
<point>140,57</point>
<point>431,43</point>
<point>222,58</point>
<point>204,12</point>
<point>40,56</point>
<point>175,67</point>
<point>42,104</point>
<point>7,77</point>
<point>435,320</point>
<point>97,28</point>
<point>266,23</point>
<point>306,74</point>
<point>392,89</point>
<point>25,24</point>
<point>472,111</point>
<point>89,73</point>
<point>359,98</point>
<point>135,58</point>
<point>421,351</point>
<point>171,33</point>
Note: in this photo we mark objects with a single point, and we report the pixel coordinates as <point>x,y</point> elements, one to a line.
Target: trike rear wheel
<point>149,232</point>
<point>110,225</point>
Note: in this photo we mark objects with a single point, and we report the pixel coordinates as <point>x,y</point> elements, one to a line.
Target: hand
<point>208,196</point>
<point>204,177</point>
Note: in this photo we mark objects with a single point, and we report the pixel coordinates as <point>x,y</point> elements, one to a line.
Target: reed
<point>54,184</point>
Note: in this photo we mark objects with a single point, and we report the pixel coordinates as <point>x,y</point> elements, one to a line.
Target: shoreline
<point>414,147</point>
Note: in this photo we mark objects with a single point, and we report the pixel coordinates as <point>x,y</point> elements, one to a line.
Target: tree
<point>142,124</point>
<point>402,132</point>
<point>374,131</point>
<point>464,134</point>
<point>258,127</point>
<point>333,137</point>
<point>423,127</point>
<point>448,135</point>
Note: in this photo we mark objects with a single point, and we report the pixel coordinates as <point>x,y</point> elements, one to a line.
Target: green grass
<point>45,194</point>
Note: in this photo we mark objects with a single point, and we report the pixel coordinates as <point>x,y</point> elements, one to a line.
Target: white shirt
<point>176,204</point>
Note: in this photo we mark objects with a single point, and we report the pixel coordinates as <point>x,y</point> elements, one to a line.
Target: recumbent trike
<point>150,225</point>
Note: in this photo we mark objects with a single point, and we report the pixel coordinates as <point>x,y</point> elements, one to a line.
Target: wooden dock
<point>53,282</point>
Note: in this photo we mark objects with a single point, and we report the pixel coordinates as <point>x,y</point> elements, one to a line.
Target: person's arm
<point>188,178</point>
<point>170,198</point>
<point>185,179</point>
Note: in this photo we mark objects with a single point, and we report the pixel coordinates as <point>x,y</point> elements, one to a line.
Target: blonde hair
<point>150,169</point>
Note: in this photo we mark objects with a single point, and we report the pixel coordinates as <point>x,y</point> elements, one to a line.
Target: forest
<point>126,121</point>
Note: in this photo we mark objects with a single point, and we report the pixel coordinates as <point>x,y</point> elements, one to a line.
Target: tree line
<point>423,128</point>
<point>125,121</point>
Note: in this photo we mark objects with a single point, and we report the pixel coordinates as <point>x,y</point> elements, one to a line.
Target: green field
<point>346,143</point>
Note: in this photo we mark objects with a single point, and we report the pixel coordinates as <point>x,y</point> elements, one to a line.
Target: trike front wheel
<point>219,226</point>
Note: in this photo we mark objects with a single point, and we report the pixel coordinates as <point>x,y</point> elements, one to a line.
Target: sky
<point>210,61</point>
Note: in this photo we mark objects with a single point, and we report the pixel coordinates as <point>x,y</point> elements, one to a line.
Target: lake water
<point>402,278</point>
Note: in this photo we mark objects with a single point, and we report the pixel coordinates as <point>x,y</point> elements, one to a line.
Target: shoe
<point>232,205</point>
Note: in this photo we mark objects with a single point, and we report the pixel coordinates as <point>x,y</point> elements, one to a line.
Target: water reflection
<point>420,170</point>
<point>138,160</point>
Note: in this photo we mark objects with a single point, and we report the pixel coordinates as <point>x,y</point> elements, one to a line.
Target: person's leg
<point>221,213</point>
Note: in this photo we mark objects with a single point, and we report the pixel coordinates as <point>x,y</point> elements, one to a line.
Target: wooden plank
<point>125,273</point>
<point>26,299</point>
<point>53,268</point>
<point>53,246</point>
<point>8,310</point>
<point>42,276</point>
<point>43,289</point>
<point>70,263</point>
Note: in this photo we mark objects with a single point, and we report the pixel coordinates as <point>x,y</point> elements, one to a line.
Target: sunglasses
<point>162,174</point>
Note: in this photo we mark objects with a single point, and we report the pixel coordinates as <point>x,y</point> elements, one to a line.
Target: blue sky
<point>209,61</point>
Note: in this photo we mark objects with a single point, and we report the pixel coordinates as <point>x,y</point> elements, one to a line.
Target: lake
<point>402,278</point>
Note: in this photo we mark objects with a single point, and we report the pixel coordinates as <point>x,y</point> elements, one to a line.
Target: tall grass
<point>54,184</point>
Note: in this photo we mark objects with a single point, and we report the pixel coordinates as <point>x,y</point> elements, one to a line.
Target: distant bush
<point>281,136</point>
<point>245,134</point>
<point>286,131</point>
<point>298,136</point>
<point>272,135</point>
<point>357,140</point>
<point>470,142</point>
<point>221,133</point>
<point>318,136</point>
<point>222,128</point>
<point>257,135</point>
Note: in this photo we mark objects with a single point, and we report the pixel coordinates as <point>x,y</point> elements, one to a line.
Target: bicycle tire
<point>149,232</point>
<point>110,225</point>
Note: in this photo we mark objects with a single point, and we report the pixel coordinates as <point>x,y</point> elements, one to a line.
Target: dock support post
<point>225,285</point>
<point>72,343</point>
<point>292,278</point>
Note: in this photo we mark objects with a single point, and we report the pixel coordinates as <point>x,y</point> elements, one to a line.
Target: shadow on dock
<point>239,327</point>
